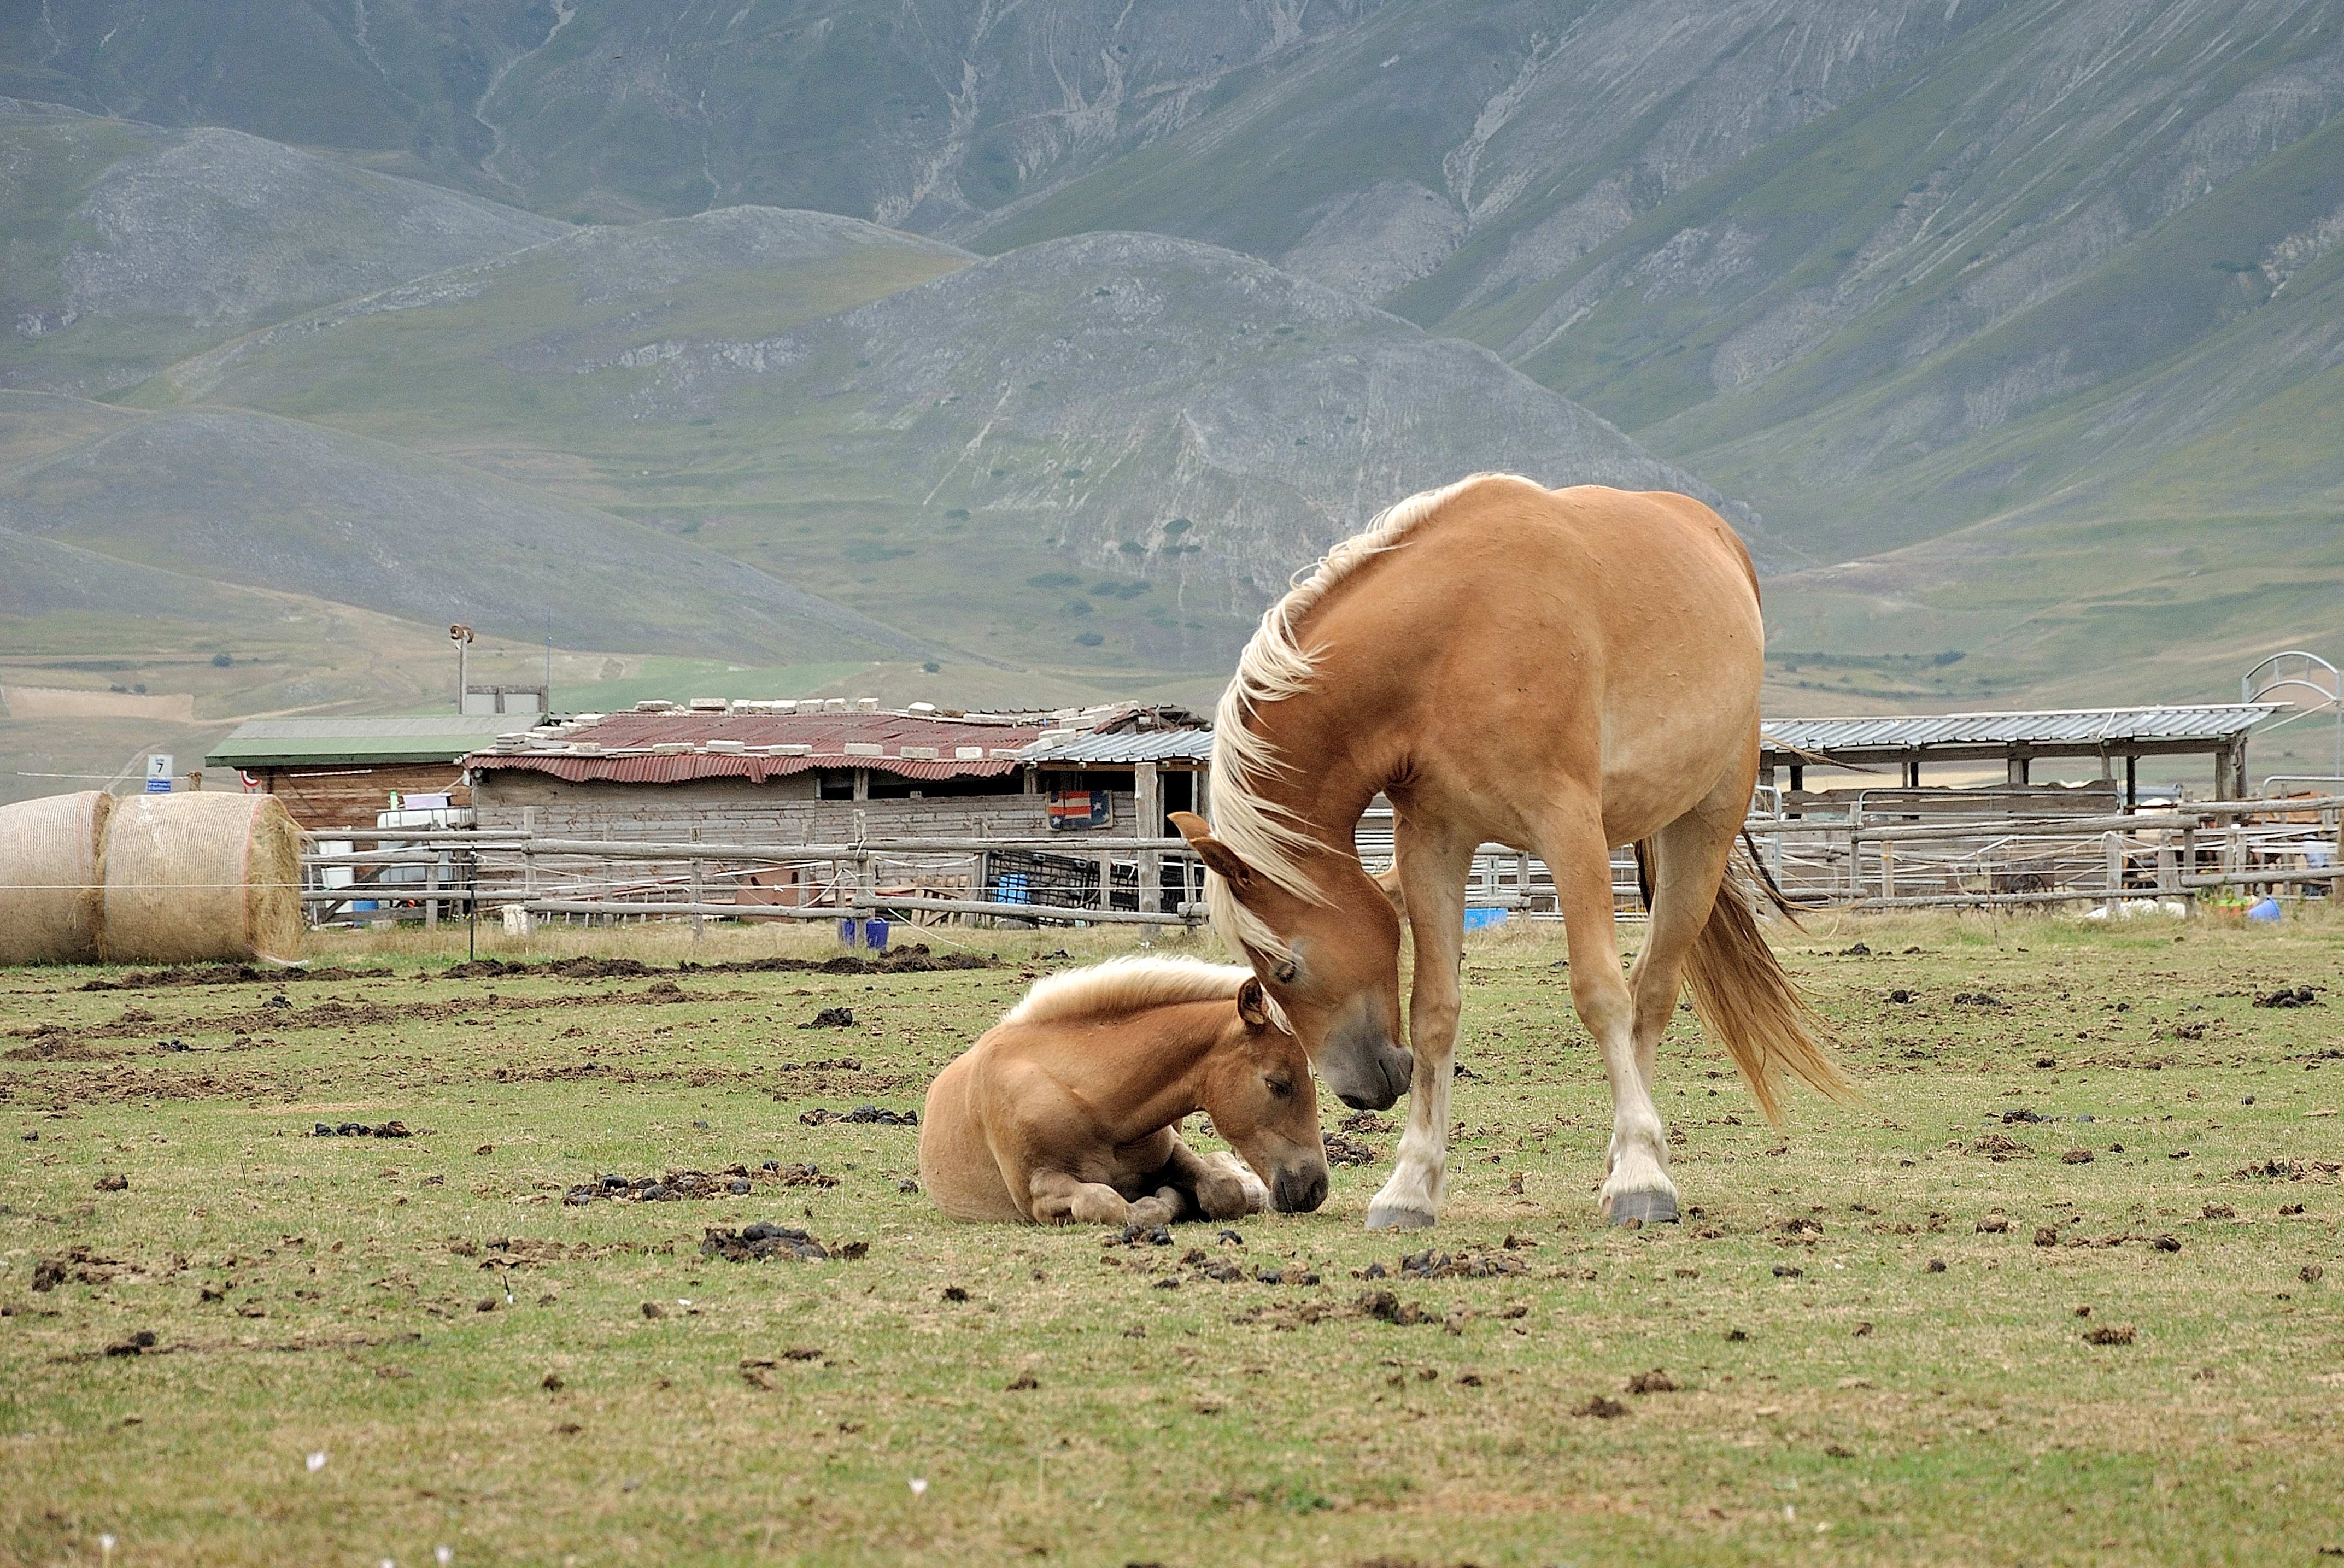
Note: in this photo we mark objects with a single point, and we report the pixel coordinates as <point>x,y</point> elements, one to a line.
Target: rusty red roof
<point>961,749</point>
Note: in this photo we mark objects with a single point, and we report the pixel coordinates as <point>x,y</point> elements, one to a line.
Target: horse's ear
<point>1387,881</point>
<point>1252,1005</point>
<point>1218,857</point>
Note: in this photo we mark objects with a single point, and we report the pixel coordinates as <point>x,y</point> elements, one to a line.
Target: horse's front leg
<point>1218,1183</point>
<point>1058,1198</point>
<point>1432,877</point>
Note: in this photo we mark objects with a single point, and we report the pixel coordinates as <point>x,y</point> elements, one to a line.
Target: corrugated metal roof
<point>295,742</point>
<point>937,747</point>
<point>2214,724</point>
<point>1125,748</point>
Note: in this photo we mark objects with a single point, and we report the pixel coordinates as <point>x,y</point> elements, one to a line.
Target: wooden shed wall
<point>734,811</point>
<point>344,795</point>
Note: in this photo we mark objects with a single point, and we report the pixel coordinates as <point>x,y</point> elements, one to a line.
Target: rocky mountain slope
<point>1960,298</point>
<point>123,245</point>
<point>1173,425</point>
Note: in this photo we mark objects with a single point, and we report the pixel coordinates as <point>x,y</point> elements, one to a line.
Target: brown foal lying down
<point>1068,1110</point>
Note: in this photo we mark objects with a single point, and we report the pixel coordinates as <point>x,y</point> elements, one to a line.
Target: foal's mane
<point>1126,985</point>
<point>1276,666</point>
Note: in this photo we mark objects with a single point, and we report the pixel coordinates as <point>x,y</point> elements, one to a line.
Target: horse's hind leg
<point>1573,846</point>
<point>1688,857</point>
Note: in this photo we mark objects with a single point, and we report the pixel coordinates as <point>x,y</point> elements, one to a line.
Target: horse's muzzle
<point>1388,1072</point>
<point>1299,1191</point>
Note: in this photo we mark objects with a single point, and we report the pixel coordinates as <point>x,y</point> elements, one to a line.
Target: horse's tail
<point>1745,1000</point>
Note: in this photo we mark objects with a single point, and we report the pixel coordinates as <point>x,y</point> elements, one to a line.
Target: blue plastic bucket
<point>875,935</point>
<point>849,930</point>
<point>2265,911</point>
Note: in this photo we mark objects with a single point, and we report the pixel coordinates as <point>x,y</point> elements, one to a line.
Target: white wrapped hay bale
<point>193,879</point>
<point>52,859</point>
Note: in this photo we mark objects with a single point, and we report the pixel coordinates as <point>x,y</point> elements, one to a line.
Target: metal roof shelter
<point>1124,749</point>
<point>2216,730</point>
<point>675,747</point>
<point>309,742</point>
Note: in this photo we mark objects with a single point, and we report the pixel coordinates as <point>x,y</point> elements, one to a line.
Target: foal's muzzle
<point>1299,1191</point>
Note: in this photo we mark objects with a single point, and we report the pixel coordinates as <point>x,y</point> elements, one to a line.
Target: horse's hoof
<point>1643,1209</point>
<point>1396,1219</point>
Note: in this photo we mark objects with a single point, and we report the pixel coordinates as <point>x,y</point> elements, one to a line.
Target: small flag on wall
<point>1078,808</point>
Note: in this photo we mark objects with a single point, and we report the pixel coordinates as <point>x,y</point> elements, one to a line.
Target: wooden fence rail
<point>2287,847</point>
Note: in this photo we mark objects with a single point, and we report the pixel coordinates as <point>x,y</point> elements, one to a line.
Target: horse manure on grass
<point>861,1116</point>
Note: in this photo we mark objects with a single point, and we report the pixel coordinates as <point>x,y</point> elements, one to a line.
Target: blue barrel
<point>1478,919</point>
<point>875,935</point>
<point>849,930</point>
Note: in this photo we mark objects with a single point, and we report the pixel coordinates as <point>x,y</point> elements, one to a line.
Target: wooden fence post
<point>698,921</point>
<point>2190,870</point>
<point>1148,811</point>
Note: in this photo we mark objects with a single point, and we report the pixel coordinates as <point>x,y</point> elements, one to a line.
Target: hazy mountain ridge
<point>2017,275</point>
<point>1190,421</point>
<point>128,245</point>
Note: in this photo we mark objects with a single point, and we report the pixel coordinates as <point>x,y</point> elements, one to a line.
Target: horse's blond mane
<point>1126,985</point>
<point>1275,666</point>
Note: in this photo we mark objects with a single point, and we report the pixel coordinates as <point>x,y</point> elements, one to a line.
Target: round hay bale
<point>199,879</point>
<point>52,861</point>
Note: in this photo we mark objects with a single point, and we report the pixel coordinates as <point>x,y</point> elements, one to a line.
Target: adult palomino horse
<point>1069,1108</point>
<point>1560,671</point>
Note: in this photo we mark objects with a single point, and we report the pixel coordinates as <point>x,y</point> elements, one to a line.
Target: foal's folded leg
<point>1057,1198</point>
<point>1161,1207</point>
<point>1221,1185</point>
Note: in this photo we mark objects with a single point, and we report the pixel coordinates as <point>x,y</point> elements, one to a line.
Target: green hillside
<point>1104,452</point>
<point>1047,339</point>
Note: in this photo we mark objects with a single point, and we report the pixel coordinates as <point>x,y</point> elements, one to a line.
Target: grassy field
<point>1877,1321</point>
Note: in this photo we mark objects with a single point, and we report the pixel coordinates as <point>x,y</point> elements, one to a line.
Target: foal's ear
<point>1252,1006</point>
<point>1218,857</point>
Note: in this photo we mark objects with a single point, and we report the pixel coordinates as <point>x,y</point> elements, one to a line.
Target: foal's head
<point>1258,1093</point>
<point>1331,967</point>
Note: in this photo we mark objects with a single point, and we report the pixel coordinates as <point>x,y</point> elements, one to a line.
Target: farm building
<point>342,772</point>
<point>2116,738</point>
<point>768,773</point>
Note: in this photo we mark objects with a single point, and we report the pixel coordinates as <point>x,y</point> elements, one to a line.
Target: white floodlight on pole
<point>461,636</point>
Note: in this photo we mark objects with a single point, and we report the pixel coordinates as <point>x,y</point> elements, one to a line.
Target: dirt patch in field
<point>229,974</point>
<point>913,959</point>
<point>126,1083</point>
<point>52,1042</point>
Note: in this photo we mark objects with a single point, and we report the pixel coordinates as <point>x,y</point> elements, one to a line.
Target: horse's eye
<point>1285,972</point>
<point>1279,1088</point>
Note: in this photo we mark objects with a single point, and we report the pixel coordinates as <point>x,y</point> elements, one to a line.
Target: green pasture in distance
<point>1876,1320</point>
<point>682,679</point>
